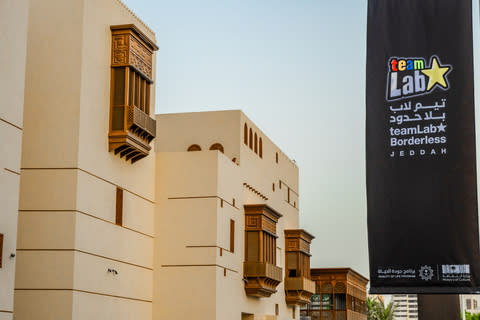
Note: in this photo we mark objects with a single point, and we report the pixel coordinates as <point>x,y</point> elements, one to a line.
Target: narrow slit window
<point>245,134</point>
<point>250,139</point>
<point>1,249</point>
<point>260,148</point>
<point>119,207</point>
<point>232,236</point>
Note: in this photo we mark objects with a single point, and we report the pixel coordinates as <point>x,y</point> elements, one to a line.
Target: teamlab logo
<point>410,77</point>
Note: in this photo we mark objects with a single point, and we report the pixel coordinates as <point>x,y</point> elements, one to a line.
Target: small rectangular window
<point>1,248</point>
<point>119,207</point>
<point>232,236</point>
<point>277,310</point>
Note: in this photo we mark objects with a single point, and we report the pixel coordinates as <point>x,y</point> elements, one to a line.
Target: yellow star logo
<point>436,74</point>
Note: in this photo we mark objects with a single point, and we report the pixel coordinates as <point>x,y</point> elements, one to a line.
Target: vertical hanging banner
<point>420,148</point>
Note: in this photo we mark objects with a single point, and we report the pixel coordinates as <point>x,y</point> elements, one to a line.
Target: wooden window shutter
<point>119,207</point>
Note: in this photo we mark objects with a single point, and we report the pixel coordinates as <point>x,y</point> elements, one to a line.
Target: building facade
<point>14,21</point>
<point>234,201</point>
<point>123,214</point>
<point>406,306</point>
<point>471,303</point>
<point>340,294</point>
<point>85,227</point>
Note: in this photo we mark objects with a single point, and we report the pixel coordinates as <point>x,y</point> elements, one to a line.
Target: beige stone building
<point>13,22</point>
<point>471,303</point>
<point>406,306</point>
<point>223,215</point>
<point>124,215</point>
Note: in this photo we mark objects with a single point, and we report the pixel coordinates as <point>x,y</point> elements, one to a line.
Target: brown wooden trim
<point>203,197</point>
<point>92,216</point>
<point>5,311</point>
<point>258,193</point>
<point>196,265</point>
<point>221,248</point>
<point>82,291</point>
<point>283,182</point>
<point>13,125</point>
<point>91,254</point>
<point>139,33</point>
<point>11,171</point>
<point>93,175</point>
<point>291,205</point>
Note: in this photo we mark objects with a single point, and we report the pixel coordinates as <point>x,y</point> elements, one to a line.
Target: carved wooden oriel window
<point>260,270</point>
<point>131,127</point>
<point>261,237</point>
<point>297,251</point>
<point>298,286</point>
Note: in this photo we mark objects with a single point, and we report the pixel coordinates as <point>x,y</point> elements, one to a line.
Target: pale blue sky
<point>297,69</point>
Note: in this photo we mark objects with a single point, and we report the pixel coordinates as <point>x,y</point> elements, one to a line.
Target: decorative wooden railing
<point>133,141</point>
<point>262,278</point>
<point>141,124</point>
<point>299,290</point>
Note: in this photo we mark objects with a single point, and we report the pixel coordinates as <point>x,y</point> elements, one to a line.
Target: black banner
<point>420,148</point>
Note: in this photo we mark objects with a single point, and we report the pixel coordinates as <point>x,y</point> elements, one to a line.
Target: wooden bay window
<point>131,127</point>
<point>298,285</point>
<point>260,270</point>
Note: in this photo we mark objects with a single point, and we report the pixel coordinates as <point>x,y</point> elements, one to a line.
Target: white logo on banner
<point>426,273</point>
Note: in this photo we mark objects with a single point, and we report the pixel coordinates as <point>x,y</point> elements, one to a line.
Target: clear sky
<point>297,69</point>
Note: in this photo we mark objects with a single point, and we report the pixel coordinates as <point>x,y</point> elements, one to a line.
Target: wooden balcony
<point>299,290</point>
<point>132,132</point>
<point>141,124</point>
<point>262,278</point>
